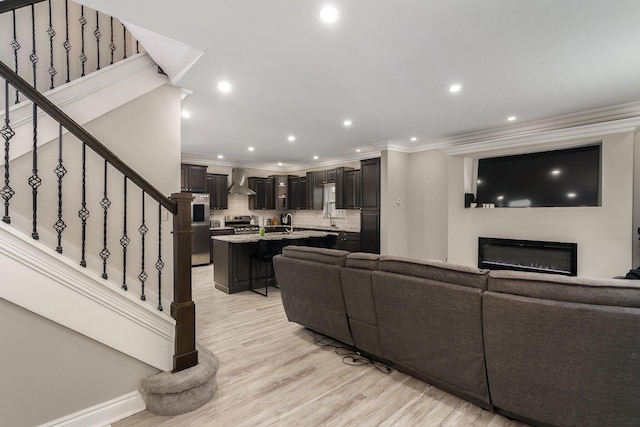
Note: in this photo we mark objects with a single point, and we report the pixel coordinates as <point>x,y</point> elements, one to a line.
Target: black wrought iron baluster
<point>7,133</point>
<point>33,57</point>
<point>34,179</point>
<point>124,240</point>
<point>51,33</point>
<point>124,40</point>
<point>143,231</point>
<point>159,263</point>
<point>84,212</point>
<point>112,46</point>
<point>105,203</point>
<point>83,22</point>
<point>97,34</point>
<point>137,46</point>
<point>60,172</point>
<point>15,46</point>
<point>67,44</point>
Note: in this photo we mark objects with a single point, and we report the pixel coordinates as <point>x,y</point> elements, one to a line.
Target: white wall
<point>50,371</point>
<point>603,233</point>
<point>394,215</point>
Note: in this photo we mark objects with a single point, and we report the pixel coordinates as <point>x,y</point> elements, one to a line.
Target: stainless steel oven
<point>200,237</point>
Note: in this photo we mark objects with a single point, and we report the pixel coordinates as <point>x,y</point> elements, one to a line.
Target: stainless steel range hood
<point>239,183</point>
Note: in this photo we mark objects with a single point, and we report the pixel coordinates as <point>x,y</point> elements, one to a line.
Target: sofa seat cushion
<point>436,270</point>
<point>612,292</point>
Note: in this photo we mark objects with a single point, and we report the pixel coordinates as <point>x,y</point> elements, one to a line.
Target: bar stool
<point>267,249</point>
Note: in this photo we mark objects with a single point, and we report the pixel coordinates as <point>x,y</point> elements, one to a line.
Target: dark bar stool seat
<point>267,249</point>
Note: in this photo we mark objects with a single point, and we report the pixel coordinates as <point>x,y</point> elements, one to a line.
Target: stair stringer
<point>46,283</point>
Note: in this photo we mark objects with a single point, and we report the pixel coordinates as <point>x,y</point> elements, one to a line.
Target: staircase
<point>89,248</point>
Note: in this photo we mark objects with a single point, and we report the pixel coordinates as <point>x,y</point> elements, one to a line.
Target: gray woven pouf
<point>169,393</point>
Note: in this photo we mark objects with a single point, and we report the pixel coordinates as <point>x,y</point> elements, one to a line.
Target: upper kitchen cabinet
<point>341,194</point>
<point>298,192</point>
<point>370,175</point>
<point>352,189</point>
<point>264,193</point>
<point>327,176</point>
<point>315,192</point>
<point>218,191</point>
<point>193,178</point>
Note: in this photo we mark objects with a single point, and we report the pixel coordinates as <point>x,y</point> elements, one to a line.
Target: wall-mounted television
<point>565,178</point>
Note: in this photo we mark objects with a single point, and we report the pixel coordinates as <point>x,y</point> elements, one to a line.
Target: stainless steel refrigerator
<point>200,236</point>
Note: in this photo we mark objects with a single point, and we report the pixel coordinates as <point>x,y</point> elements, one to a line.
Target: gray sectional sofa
<point>546,349</point>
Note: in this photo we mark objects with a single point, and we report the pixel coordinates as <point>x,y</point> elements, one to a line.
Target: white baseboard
<point>103,414</point>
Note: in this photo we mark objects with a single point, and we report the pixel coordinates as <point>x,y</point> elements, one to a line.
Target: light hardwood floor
<point>272,374</point>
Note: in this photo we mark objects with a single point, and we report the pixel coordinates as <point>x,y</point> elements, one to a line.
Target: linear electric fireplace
<point>528,255</point>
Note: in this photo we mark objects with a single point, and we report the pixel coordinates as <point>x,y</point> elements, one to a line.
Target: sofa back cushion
<point>430,328</point>
<point>358,298</point>
<point>440,271</point>
<point>562,363</point>
<point>321,255</point>
<point>311,289</point>
<point>612,292</point>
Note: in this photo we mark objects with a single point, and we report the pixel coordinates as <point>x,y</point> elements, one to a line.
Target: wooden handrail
<point>9,5</point>
<point>79,132</point>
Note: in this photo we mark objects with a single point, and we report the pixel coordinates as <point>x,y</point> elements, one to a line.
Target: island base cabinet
<point>232,267</point>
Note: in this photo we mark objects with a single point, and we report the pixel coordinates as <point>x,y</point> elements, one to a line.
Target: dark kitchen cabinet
<point>348,241</point>
<point>319,177</point>
<point>370,205</point>
<point>298,192</point>
<point>331,176</point>
<point>341,194</point>
<point>217,186</point>
<point>264,198</point>
<point>315,193</point>
<point>352,189</point>
<point>370,173</point>
<point>193,178</point>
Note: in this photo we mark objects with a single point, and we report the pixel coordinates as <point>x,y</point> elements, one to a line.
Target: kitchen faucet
<point>289,220</point>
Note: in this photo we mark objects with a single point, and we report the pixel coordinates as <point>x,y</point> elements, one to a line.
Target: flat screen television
<point>569,177</point>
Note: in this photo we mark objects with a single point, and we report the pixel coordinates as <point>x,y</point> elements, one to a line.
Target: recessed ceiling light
<point>500,197</point>
<point>329,14</point>
<point>315,157</point>
<point>414,139</point>
<point>291,138</point>
<point>571,195</point>
<point>250,148</point>
<point>555,172</point>
<point>224,86</point>
<point>347,123</point>
<point>358,150</point>
<point>279,163</point>
<point>512,118</point>
<point>186,114</point>
<point>220,156</point>
<point>455,88</point>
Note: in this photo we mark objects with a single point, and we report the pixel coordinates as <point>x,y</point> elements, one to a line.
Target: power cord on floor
<point>350,356</point>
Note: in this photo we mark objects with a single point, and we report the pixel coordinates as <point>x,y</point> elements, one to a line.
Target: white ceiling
<point>387,66</point>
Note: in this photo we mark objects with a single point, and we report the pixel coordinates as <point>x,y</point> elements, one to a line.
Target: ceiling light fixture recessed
<point>358,150</point>
<point>220,156</point>
<point>455,88</point>
<point>186,114</point>
<point>571,195</point>
<point>414,139</point>
<point>315,157</point>
<point>347,123</point>
<point>224,86</point>
<point>555,172</point>
<point>279,163</point>
<point>250,148</point>
<point>291,138</point>
<point>512,118</point>
<point>329,14</point>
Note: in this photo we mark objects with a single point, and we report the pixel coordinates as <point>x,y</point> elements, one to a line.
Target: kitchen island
<point>237,257</point>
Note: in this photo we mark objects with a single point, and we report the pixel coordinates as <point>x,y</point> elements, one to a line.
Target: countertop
<point>251,238</point>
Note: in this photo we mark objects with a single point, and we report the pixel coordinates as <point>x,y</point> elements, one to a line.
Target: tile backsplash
<point>239,205</point>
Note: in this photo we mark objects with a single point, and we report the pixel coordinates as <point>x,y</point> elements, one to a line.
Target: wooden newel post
<point>183,309</point>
